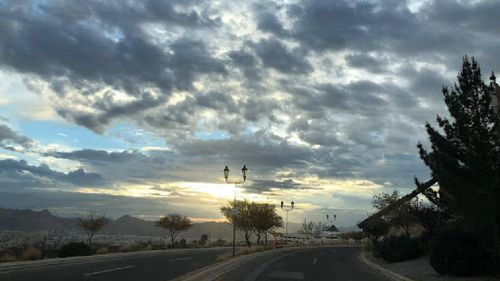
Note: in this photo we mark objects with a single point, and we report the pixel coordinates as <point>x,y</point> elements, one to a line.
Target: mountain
<point>31,221</point>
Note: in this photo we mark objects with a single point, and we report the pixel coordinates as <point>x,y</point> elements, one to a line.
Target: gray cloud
<point>275,54</point>
<point>9,137</point>
<point>19,174</point>
<point>66,46</point>
<point>337,89</point>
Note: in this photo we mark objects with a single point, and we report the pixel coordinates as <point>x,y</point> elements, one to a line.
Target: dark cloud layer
<point>9,137</point>
<point>18,174</point>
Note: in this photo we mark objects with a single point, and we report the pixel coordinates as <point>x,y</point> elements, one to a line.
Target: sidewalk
<point>419,270</point>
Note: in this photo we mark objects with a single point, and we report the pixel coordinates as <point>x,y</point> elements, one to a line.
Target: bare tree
<point>174,223</point>
<point>307,228</point>
<point>92,224</point>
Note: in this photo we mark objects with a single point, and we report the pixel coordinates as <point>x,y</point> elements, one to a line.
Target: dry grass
<point>102,251</point>
<point>7,258</point>
<point>244,251</point>
<point>31,253</point>
<point>126,248</point>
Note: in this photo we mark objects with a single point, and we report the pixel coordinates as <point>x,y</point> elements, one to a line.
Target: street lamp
<point>328,218</point>
<point>234,211</point>
<point>287,208</point>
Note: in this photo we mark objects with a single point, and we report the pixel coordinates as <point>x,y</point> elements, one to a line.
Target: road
<point>315,264</point>
<point>161,266</point>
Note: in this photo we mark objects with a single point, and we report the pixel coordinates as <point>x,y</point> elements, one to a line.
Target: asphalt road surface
<point>312,264</point>
<point>161,266</point>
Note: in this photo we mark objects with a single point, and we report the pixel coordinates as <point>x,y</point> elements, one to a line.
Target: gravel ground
<point>421,270</point>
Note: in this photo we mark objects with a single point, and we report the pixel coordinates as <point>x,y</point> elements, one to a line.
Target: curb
<point>390,274</point>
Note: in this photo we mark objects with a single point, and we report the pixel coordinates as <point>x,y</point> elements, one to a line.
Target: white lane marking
<point>180,259</point>
<point>108,270</point>
<point>315,260</point>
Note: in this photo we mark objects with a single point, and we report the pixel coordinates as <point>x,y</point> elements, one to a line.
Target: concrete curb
<point>390,274</point>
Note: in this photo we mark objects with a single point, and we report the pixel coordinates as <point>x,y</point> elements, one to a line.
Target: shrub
<point>126,248</point>
<point>31,253</point>
<point>400,248</point>
<point>102,251</point>
<point>74,249</point>
<point>356,235</point>
<point>457,251</point>
<point>7,258</point>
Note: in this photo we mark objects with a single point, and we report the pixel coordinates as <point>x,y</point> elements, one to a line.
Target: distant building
<point>331,233</point>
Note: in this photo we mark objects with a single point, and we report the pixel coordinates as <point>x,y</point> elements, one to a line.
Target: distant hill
<point>30,221</point>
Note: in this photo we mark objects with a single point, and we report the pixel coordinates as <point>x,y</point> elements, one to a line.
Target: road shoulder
<point>412,270</point>
<point>388,273</point>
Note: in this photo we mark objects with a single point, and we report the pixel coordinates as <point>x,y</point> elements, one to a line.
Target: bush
<point>126,248</point>
<point>31,254</point>
<point>102,251</point>
<point>74,249</point>
<point>7,258</point>
<point>400,248</point>
<point>456,251</point>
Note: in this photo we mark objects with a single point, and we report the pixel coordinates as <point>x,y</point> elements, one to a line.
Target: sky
<point>135,107</point>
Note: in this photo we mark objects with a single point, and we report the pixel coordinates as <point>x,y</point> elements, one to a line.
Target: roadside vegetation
<point>253,219</point>
<point>458,223</point>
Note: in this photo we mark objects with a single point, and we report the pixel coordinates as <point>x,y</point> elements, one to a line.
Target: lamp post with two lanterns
<point>287,208</point>
<point>234,211</point>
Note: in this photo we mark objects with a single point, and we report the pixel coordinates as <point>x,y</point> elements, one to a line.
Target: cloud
<point>276,55</point>
<point>9,139</point>
<point>18,174</point>
<point>338,90</point>
<point>103,61</point>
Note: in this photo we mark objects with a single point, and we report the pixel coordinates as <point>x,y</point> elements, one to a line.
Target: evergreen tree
<point>464,155</point>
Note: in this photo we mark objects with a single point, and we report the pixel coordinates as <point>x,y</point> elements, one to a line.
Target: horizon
<point>136,108</point>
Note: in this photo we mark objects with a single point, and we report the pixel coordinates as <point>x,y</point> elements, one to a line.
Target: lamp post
<point>328,218</point>
<point>287,208</point>
<point>234,211</point>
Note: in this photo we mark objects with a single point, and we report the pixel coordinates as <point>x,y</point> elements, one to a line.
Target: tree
<point>465,156</point>
<point>252,218</point>
<point>430,217</point>
<point>307,228</point>
<point>243,217</point>
<point>400,216</point>
<point>264,218</point>
<point>203,240</point>
<point>92,224</point>
<point>174,223</point>
<point>318,229</point>
<point>374,229</point>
